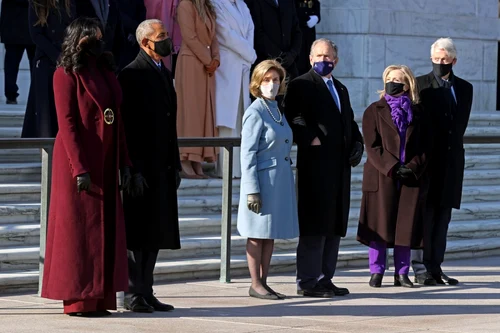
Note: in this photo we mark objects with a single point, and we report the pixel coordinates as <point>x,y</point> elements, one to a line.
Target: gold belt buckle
<point>109,116</point>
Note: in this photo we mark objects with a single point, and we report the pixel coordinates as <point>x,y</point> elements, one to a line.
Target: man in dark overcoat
<point>277,33</point>
<point>149,114</point>
<point>308,12</point>
<point>329,143</point>
<point>448,100</point>
<point>15,35</point>
<point>132,12</point>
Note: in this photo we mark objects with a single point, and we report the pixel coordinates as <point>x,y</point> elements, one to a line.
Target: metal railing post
<point>44,208</point>
<point>227,203</point>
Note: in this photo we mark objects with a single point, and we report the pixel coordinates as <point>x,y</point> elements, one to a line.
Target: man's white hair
<point>445,44</point>
<point>145,29</point>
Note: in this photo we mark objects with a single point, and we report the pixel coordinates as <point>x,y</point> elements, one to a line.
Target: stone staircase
<point>474,232</point>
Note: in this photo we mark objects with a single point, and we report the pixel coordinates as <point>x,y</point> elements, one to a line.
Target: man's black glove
<point>356,154</point>
<point>137,185</point>
<point>177,179</point>
<point>83,182</point>
<point>403,172</point>
<point>126,178</point>
<point>287,59</point>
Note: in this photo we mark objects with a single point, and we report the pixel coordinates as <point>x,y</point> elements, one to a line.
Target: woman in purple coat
<point>393,176</point>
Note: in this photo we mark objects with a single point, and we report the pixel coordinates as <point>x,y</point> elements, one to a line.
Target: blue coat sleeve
<point>250,137</point>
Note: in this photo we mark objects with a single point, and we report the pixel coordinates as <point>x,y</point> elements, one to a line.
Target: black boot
<point>402,280</point>
<point>376,280</point>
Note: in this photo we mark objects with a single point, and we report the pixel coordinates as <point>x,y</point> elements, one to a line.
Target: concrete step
<point>19,192</point>
<point>19,212</point>
<point>10,132</point>
<point>282,261</point>
<point>14,256</point>
<point>20,156</point>
<point>20,172</point>
<point>19,234</point>
<point>11,118</point>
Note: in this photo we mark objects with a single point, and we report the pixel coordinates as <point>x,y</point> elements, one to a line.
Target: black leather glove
<point>83,182</point>
<point>287,59</point>
<point>254,203</point>
<point>126,178</point>
<point>137,185</point>
<point>404,172</point>
<point>177,179</point>
<point>356,154</point>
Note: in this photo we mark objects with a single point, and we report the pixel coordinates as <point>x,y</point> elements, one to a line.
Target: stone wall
<point>372,34</point>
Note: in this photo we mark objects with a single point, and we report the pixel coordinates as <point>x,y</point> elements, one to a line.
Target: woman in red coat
<point>86,257</point>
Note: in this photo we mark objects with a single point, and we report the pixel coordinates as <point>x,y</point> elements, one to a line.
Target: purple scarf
<point>402,115</point>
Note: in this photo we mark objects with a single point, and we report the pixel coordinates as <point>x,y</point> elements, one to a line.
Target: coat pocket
<point>370,178</point>
<point>270,163</point>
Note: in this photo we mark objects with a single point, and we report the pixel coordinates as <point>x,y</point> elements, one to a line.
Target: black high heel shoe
<point>376,280</point>
<point>402,280</point>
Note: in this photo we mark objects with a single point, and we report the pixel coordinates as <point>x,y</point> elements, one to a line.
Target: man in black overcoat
<point>132,13</point>
<point>308,12</point>
<point>15,35</point>
<point>149,112</point>
<point>448,100</point>
<point>277,33</point>
<point>329,143</point>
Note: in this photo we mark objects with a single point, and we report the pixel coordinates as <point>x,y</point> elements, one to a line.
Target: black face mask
<point>441,69</point>
<point>96,48</point>
<point>394,88</point>
<point>163,47</point>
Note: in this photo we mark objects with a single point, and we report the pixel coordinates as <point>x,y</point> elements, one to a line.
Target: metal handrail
<point>46,147</point>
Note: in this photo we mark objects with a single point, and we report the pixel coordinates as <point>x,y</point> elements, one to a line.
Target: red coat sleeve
<point>65,96</point>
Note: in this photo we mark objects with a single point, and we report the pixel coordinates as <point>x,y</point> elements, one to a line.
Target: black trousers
<point>316,260</point>
<point>436,222</point>
<point>141,265</point>
<point>13,56</point>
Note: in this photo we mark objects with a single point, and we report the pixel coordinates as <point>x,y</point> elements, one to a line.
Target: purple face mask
<point>323,68</point>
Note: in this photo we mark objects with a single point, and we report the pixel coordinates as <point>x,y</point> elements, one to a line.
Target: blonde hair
<point>409,80</point>
<point>260,71</point>
<point>204,7</point>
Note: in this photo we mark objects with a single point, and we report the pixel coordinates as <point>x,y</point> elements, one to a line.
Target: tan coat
<point>195,89</point>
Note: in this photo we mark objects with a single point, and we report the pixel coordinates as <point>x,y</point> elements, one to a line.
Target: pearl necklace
<point>280,121</point>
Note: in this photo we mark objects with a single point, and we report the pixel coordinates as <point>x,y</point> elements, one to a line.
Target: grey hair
<point>325,40</point>
<point>145,29</point>
<point>445,44</point>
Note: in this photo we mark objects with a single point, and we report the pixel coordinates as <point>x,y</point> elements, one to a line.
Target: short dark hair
<point>74,54</point>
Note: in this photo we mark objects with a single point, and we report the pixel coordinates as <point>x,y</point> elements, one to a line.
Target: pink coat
<point>166,11</point>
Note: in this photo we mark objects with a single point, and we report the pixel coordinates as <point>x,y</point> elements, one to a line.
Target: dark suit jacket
<point>324,171</point>
<point>449,121</point>
<point>277,30</point>
<point>132,13</point>
<point>149,112</point>
<point>14,22</point>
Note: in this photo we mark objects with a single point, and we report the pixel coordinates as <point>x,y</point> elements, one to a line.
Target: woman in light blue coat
<point>268,207</point>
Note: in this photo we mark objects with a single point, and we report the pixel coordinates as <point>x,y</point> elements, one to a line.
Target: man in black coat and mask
<point>15,35</point>
<point>149,112</point>
<point>448,100</point>
<point>277,33</point>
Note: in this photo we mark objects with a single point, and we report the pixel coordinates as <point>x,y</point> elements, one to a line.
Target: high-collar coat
<point>149,114</point>
<point>324,172</point>
<point>86,252</point>
<point>235,37</point>
<point>195,88</point>
<point>390,214</point>
<point>449,120</point>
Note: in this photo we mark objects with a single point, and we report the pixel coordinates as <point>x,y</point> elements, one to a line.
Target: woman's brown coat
<point>387,214</point>
<point>195,88</point>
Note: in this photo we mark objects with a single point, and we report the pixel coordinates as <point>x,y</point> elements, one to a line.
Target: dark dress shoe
<point>268,296</point>
<point>138,304</point>
<point>90,314</point>
<point>449,280</point>
<point>157,305</point>
<point>376,280</point>
<point>426,279</point>
<point>317,291</point>
<point>338,291</point>
<point>402,280</point>
<point>14,102</point>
